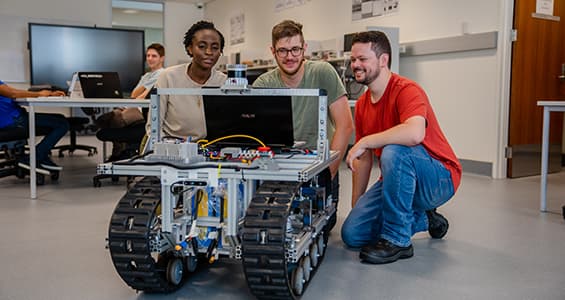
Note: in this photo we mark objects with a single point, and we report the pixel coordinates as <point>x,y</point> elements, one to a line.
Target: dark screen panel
<point>347,39</point>
<point>57,51</point>
<point>268,118</point>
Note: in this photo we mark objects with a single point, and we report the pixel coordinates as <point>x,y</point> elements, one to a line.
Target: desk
<point>64,102</point>
<point>548,107</point>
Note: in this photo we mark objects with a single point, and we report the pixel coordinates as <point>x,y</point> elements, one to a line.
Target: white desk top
<point>81,102</point>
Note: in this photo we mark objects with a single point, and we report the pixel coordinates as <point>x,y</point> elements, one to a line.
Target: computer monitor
<point>100,84</point>
<point>347,39</point>
<point>56,52</point>
<point>268,118</point>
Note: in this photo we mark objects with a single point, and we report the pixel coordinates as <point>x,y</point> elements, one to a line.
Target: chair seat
<point>76,124</point>
<point>130,134</point>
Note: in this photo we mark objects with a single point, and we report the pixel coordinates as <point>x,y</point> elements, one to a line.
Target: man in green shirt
<point>294,71</point>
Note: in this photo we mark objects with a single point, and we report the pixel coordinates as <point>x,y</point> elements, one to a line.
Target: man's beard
<point>293,72</point>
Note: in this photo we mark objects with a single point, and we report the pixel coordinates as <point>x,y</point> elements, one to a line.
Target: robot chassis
<point>273,214</point>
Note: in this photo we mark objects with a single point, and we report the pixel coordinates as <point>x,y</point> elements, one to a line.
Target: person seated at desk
<point>155,57</point>
<point>182,116</point>
<point>123,117</point>
<point>12,116</point>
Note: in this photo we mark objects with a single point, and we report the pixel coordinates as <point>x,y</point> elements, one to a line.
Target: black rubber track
<point>128,239</point>
<point>264,264</point>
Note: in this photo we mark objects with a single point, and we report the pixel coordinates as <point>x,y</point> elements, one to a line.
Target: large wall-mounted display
<point>57,51</point>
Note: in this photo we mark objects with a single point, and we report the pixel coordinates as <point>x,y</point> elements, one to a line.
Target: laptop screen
<point>268,118</point>
<point>100,84</point>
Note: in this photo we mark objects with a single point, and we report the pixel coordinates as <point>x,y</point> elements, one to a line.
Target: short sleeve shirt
<point>317,75</point>
<point>182,116</point>
<point>401,100</point>
<point>9,110</point>
<point>149,79</point>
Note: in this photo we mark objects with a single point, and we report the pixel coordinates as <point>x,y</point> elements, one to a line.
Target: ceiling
<point>151,5</point>
<point>144,13</point>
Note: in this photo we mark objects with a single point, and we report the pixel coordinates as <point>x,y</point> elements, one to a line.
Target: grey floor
<point>499,246</point>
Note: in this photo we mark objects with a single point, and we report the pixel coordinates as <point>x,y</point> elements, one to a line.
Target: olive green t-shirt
<point>317,75</point>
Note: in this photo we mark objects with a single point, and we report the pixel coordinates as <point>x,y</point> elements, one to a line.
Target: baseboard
<point>476,167</point>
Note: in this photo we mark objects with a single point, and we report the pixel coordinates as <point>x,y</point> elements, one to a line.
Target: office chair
<point>77,124</point>
<point>131,136</point>
<point>13,145</point>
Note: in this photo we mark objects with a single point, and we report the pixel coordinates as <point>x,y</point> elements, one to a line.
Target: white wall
<point>464,87</point>
<point>15,15</point>
<point>83,11</point>
<point>178,19</point>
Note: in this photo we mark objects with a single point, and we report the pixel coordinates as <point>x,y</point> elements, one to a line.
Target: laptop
<point>268,118</point>
<point>100,84</point>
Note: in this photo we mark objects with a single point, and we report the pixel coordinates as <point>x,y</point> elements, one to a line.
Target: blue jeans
<point>56,124</point>
<point>394,207</point>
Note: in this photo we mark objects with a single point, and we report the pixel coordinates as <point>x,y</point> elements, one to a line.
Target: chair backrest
<point>92,112</point>
<point>145,110</point>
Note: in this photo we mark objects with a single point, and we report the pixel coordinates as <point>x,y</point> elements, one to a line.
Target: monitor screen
<point>268,118</point>
<point>347,39</point>
<point>57,51</point>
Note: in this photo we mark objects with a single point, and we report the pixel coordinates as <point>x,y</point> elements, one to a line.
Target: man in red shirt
<point>394,121</point>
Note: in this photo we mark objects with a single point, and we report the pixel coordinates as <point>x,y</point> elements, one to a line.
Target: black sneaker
<point>50,165</point>
<point>39,170</point>
<point>385,252</point>
<point>437,224</point>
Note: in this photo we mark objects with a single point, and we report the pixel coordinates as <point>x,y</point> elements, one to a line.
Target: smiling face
<point>205,49</point>
<point>154,60</point>
<point>289,54</point>
<point>365,63</point>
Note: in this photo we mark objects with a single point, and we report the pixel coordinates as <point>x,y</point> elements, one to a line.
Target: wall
<point>15,14</point>
<point>14,17</point>
<point>178,19</point>
<point>464,87</point>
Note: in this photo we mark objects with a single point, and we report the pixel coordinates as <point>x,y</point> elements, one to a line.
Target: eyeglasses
<point>283,52</point>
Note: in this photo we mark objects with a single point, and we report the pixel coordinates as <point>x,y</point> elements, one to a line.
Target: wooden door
<point>537,57</point>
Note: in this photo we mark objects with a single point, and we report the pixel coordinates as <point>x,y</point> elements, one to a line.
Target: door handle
<point>562,76</point>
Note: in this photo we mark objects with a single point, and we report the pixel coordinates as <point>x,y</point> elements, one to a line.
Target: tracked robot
<point>196,205</point>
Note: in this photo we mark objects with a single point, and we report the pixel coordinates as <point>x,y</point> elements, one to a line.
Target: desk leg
<point>32,154</point>
<point>544,159</point>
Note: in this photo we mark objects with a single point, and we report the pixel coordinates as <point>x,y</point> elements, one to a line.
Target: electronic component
<point>174,151</point>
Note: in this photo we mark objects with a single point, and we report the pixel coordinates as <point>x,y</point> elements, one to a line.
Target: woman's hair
<point>201,25</point>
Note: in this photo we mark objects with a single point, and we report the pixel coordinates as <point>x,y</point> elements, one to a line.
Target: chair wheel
<point>61,154</point>
<point>96,183</point>
<point>40,179</point>
<point>115,178</point>
<point>20,173</point>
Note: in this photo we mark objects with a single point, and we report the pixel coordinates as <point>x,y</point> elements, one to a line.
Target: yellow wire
<point>234,136</point>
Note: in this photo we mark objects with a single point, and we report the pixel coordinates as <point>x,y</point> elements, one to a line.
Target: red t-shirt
<point>401,100</point>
